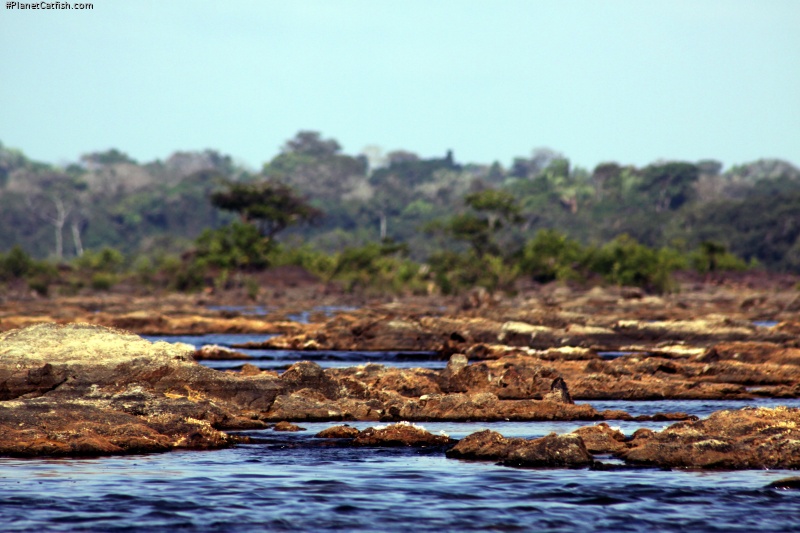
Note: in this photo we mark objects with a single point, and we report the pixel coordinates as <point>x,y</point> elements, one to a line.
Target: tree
<point>314,167</point>
<point>109,157</point>
<point>491,210</point>
<point>669,185</point>
<point>270,206</point>
<point>311,143</point>
<point>56,200</point>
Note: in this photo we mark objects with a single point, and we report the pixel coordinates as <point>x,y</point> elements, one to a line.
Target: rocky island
<point>77,384</point>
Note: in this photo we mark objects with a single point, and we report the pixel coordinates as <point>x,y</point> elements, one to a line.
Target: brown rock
<point>747,438</point>
<point>602,438</point>
<point>250,370</point>
<point>787,483</point>
<point>287,426</point>
<point>214,352</point>
<point>550,451</point>
<point>400,434</point>
<point>338,432</point>
<point>559,392</point>
<point>488,407</point>
<point>308,375</point>
<point>83,389</point>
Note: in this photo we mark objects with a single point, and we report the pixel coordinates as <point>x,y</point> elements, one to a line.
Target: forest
<point>390,220</point>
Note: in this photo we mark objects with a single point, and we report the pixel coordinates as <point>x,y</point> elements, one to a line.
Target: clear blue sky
<point>599,80</point>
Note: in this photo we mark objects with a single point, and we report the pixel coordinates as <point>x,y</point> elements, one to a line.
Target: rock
<point>602,438</point>
<point>250,370</point>
<point>400,434</point>
<point>85,389</point>
<point>338,432</point>
<point>558,392</point>
<point>44,426</point>
<point>308,375</point>
<point>522,334</point>
<point>487,407</point>
<point>742,439</point>
<point>698,330</point>
<point>550,451</point>
<point>287,426</point>
<point>751,352</point>
<point>214,352</point>
<point>306,404</point>
<point>787,483</point>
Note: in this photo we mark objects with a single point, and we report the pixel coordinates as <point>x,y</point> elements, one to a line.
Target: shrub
<point>16,264</point>
<point>235,246</point>
<point>714,257</point>
<point>103,281</point>
<point>551,255</point>
<point>624,261</point>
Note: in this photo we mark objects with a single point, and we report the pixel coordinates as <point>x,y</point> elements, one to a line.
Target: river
<point>294,481</point>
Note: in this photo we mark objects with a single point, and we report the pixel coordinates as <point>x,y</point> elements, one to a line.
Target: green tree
<point>670,185</point>
<point>551,255</point>
<point>269,206</point>
<point>491,210</point>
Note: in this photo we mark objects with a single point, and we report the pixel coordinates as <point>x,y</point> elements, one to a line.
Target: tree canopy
<point>270,206</point>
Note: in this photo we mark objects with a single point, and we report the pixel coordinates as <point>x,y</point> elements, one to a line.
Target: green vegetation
<point>387,221</point>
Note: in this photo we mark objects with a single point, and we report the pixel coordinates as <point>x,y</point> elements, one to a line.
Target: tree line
<point>312,201</point>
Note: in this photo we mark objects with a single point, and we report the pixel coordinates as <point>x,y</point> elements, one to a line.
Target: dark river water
<point>293,481</point>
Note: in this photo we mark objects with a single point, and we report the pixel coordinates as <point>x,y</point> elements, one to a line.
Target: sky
<point>597,80</point>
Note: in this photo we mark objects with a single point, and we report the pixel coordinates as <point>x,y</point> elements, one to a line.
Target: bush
<point>16,264</point>
<point>550,256</point>
<point>235,246</point>
<point>624,261</point>
<point>106,260</point>
<point>381,267</point>
<point>103,281</point>
<point>714,257</point>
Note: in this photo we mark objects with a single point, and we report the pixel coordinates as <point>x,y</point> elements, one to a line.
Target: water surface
<point>294,481</point>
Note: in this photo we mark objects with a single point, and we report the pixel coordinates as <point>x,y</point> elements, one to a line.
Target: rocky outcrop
<point>338,432</point>
<point>287,427</point>
<point>742,439</point>
<point>212,352</point>
<point>392,435</point>
<point>602,439</point>
<point>400,434</point>
<point>550,451</point>
<point>83,389</point>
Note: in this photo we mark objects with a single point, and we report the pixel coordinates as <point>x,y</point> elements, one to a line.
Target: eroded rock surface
<point>550,451</point>
<point>741,439</point>
<point>83,389</point>
<point>140,396</point>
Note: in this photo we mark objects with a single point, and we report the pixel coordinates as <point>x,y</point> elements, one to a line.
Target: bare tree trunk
<point>76,238</point>
<point>58,222</point>
<point>383,225</point>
